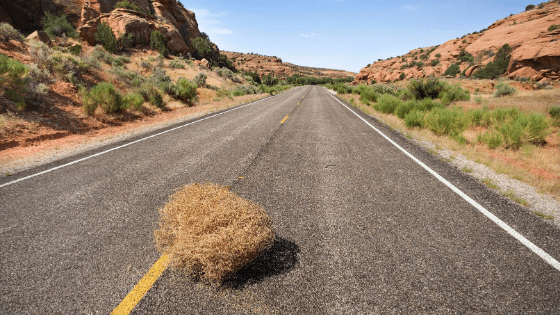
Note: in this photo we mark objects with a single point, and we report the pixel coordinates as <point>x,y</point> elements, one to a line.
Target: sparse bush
<point>101,54</point>
<point>130,78</point>
<point>245,90</point>
<point>106,38</point>
<point>452,70</point>
<point>404,108</point>
<point>368,95</point>
<point>414,118</point>
<point>387,104</point>
<point>105,96</point>
<point>225,73</point>
<point>146,65</point>
<point>554,112</point>
<point>41,54</point>
<point>481,117</point>
<point>200,79</point>
<point>75,50</point>
<point>9,32</point>
<point>151,94</point>
<point>426,88</point>
<point>270,80</point>
<point>55,25</point>
<point>553,27</point>
<point>504,89</point>
<point>202,47</point>
<point>223,93</point>
<point>454,93</point>
<point>210,233</point>
<point>39,75</point>
<point>185,90</point>
<point>445,121</point>
<point>465,56</point>
<point>133,100</point>
<point>402,76</point>
<point>176,64</point>
<point>531,128</point>
<point>426,105</point>
<point>125,41</point>
<point>529,7</point>
<point>434,62</point>
<point>492,139</point>
<point>160,78</point>
<point>127,5</point>
<point>438,56</point>
<point>158,42</point>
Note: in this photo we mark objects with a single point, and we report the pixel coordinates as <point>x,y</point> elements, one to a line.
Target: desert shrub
<point>124,4</point>
<point>101,54</point>
<point>39,75</point>
<point>224,62</point>
<point>480,117</point>
<point>402,76</point>
<point>151,94</point>
<point>404,108</point>
<point>414,118</point>
<point>504,89</point>
<point>426,88</point>
<point>492,139</point>
<point>270,80</point>
<point>130,78</point>
<point>200,79</point>
<point>185,90</point>
<point>531,128</point>
<point>105,96</point>
<point>133,100</point>
<point>210,232</point>
<point>529,7</point>
<point>158,42</point>
<point>75,50</point>
<point>245,90</point>
<point>386,89</point>
<point>368,95</point>
<point>387,104</point>
<point>41,54</point>
<point>223,93</point>
<point>554,112</point>
<point>67,67</point>
<point>454,93</point>
<point>452,70</point>
<point>445,121</point>
<point>146,65</point>
<point>12,83</point>
<point>160,78</point>
<point>202,47</point>
<point>438,56</point>
<point>9,32</point>
<point>434,62</point>
<point>125,41</point>
<point>225,73</point>
<point>56,25</point>
<point>106,38</point>
<point>553,27</point>
<point>426,104</point>
<point>176,64</point>
<point>499,66</point>
<point>465,56</point>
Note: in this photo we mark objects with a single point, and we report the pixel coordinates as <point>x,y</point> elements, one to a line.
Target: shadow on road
<point>279,259</point>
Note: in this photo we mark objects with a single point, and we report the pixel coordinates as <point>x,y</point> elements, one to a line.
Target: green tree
<point>158,42</point>
<point>106,38</point>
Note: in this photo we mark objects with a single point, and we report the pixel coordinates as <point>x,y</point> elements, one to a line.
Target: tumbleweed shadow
<point>278,259</point>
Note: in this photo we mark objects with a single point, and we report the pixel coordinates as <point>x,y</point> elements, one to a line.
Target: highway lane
<point>364,230</point>
<point>77,239</point>
<point>361,227</point>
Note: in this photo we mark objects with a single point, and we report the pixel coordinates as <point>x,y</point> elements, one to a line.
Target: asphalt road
<point>362,228</point>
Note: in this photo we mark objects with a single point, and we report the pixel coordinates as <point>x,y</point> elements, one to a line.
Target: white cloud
<point>308,35</point>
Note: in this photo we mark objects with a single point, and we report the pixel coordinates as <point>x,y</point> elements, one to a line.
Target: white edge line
<point>126,145</point>
<point>541,253</point>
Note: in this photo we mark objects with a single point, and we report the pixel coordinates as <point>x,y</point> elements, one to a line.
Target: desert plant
<point>158,42</point>
<point>133,100</point>
<point>504,89</point>
<point>554,112</point>
<point>426,88</point>
<point>492,139</point>
<point>438,56</point>
<point>146,65</point>
<point>200,79</point>
<point>434,62</point>
<point>499,66</point>
<point>105,96</point>
<point>454,93</point>
<point>106,37</point>
<point>124,4</point>
<point>151,94</point>
<point>445,121</point>
<point>210,233</point>
<point>523,128</point>
<point>414,118</point>
<point>176,64</point>
<point>125,41</point>
<point>402,76</point>
<point>452,70</point>
<point>9,32</point>
<point>404,108</point>
<point>130,78</point>
<point>56,25</point>
<point>465,56</point>
<point>553,27</point>
<point>270,80</point>
<point>223,93</point>
<point>185,90</point>
<point>529,7</point>
<point>387,104</point>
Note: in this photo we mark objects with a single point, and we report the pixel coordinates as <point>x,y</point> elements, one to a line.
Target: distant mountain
<point>265,65</point>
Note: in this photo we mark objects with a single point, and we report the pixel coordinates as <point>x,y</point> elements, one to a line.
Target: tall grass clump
<point>446,121</point>
<point>504,89</point>
<point>185,90</point>
<point>387,104</point>
<point>210,232</point>
<point>9,32</point>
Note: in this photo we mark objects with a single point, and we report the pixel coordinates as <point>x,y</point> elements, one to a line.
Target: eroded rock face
<point>534,48</point>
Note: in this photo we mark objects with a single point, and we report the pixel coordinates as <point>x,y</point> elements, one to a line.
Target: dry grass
<point>210,232</point>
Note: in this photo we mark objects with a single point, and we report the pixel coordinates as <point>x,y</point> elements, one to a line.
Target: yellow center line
<point>284,120</point>
<point>138,292</point>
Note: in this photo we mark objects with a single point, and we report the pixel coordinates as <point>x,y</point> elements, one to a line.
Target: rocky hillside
<point>176,23</point>
<point>265,65</point>
<point>532,36</point>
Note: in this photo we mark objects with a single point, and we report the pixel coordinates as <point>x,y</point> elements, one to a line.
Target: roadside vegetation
<point>514,132</point>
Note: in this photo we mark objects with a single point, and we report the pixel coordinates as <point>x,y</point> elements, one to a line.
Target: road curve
<point>361,227</point>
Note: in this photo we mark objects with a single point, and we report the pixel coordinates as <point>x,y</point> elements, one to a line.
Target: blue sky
<point>342,34</point>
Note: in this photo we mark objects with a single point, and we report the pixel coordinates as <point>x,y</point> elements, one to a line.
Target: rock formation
<point>176,23</point>
<point>265,65</point>
<point>535,55</point>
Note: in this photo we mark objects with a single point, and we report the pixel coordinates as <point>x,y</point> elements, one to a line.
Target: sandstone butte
<point>176,23</point>
<point>265,65</point>
<point>535,55</point>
